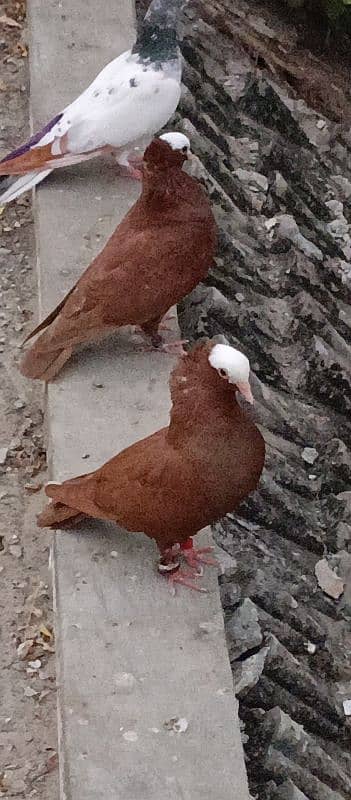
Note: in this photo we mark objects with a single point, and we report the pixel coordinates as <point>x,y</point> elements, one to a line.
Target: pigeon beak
<point>245,390</point>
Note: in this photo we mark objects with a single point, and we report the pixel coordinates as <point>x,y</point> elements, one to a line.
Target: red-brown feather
<point>161,250</point>
<point>173,483</point>
<point>36,158</point>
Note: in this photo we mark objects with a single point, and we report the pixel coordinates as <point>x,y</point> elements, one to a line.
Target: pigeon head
<point>232,366</point>
<point>169,150</point>
<point>208,377</point>
<point>164,12</point>
<point>157,42</point>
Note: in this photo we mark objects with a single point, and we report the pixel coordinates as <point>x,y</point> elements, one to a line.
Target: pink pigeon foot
<point>169,567</point>
<point>174,348</point>
<point>128,171</point>
<point>156,343</point>
<point>196,557</point>
<point>185,579</point>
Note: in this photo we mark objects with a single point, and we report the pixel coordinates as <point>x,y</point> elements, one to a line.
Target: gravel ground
<point>28,737</point>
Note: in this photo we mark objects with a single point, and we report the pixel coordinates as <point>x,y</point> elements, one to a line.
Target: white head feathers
<point>230,363</point>
<point>177,141</point>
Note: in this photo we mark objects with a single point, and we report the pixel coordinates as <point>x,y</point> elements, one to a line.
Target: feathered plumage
<point>185,476</point>
<point>160,251</point>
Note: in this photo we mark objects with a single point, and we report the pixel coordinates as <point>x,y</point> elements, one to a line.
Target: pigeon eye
<point>184,149</point>
<point>223,373</point>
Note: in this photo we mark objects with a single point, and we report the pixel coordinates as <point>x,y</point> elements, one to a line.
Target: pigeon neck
<point>163,186</point>
<point>163,13</point>
<point>202,406</point>
<point>156,44</point>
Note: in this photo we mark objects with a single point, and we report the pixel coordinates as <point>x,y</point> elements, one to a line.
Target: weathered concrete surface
<point>130,656</point>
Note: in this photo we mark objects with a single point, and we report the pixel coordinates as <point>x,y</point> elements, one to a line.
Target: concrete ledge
<point>130,656</point>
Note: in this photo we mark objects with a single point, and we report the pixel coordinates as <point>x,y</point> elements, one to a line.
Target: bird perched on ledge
<point>185,476</point>
<point>128,102</point>
<point>160,251</point>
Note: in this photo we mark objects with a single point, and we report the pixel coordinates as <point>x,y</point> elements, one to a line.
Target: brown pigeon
<point>160,251</point>
<point>184,477</point>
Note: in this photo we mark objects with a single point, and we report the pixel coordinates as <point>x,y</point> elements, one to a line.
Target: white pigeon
<point>127,103</point>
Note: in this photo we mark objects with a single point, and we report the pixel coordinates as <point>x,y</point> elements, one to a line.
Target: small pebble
<point>125,682</point>
<point>176,725</point>
<point>15,550</point>
<point>3,454</point>
<point>130,736</point>
<point>309,455</point>
<point>29,692</point>
<point>270,223</point>
<point>311,648</point>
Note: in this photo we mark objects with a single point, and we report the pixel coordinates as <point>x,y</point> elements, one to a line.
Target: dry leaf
<point>29,692</point>
<point>45,674</point>
<point>21,49</point>
<point>15,550</point>
<point>33,487</point>
<point>52,762</point>
<point>13,786</point>
<point>35,664</point>
<point>24,648</point>
<point>11,23</point>
<point>2,209</point>
<point>48,649</point>
<point>36,612</point>
<point>45,633</point>
<point>44,694</point>
<point>3,87</point>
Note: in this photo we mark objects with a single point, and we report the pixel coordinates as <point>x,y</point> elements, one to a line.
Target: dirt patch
<point>28,738</point>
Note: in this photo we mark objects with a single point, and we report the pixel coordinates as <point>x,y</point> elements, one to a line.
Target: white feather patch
<point>232,361</point>
<point>176,140</point>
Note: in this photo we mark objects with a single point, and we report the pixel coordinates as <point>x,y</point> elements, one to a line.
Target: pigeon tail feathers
<point>44,364</point>
<point>58,515</point>
<point>33,141</point>
<point>12,187</point>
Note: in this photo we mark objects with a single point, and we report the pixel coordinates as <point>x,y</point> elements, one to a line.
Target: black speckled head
<point>156,45</point>
<point>164,13</point>
<point>157,37</point>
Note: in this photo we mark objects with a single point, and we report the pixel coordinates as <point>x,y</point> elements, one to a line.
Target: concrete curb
<point>130,656</point>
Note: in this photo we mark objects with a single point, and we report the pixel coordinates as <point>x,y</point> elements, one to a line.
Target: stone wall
<point>268,121</point>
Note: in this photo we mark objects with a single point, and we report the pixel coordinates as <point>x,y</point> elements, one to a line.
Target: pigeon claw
<point>185,579</point>
<point>128,171</point>
<point>172,348</point>
<point>169,567</point>
<point>195,557</point>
